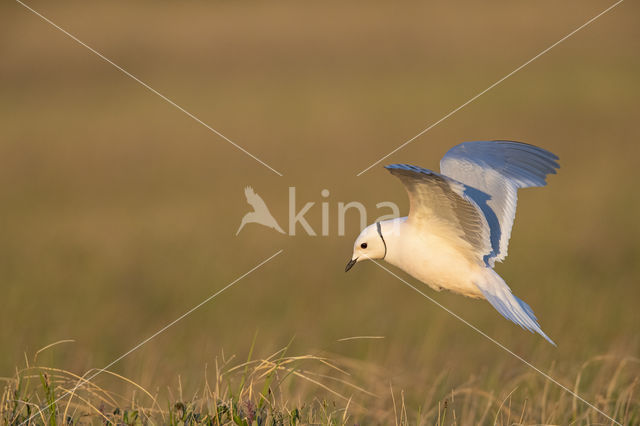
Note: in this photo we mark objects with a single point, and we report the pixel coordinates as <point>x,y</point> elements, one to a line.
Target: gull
<point>460,221</point>
<point>260,213</point>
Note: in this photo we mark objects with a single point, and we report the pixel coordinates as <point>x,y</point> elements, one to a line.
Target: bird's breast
<point>436,263</point>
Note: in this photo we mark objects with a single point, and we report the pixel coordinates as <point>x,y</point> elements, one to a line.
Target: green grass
<point>317,389</point>
<point>118,213</point>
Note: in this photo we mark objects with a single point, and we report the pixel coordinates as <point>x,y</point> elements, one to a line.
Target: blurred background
<point>118,212</point>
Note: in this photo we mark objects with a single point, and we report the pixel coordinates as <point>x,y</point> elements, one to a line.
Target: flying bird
<point>460,221</point>
<point>260,213</point>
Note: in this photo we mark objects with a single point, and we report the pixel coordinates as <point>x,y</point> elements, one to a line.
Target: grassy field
<point>119,212</point>
<point>311,389</point>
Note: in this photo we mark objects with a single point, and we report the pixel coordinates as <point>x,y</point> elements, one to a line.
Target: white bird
<point>460,221</point>
<point>260,213</point>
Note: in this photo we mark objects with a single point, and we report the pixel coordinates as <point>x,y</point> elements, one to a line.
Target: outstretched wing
<point>439,203</point>
<point>492,172</point>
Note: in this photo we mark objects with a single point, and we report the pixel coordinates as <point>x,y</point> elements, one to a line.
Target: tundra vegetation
<point>118,213</point>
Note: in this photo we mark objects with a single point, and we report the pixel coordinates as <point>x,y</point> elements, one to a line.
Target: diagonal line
<point>163,329</point>
<point>545,375</point>
<point>151,89</point>
<point>492,86</point>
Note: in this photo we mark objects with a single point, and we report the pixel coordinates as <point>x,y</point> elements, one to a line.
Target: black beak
<point>350,264</point>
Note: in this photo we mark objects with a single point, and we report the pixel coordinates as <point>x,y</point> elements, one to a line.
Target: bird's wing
<point>254,199</point>
<point>439,204</point>
<point>493,171</point>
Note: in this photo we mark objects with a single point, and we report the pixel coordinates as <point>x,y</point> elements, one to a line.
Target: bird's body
<point>430,258</point>
<point>460,222</point>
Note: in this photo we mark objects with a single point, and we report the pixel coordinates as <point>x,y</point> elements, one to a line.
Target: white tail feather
<point>499,295</point>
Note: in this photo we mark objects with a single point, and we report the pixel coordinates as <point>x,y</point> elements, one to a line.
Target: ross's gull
<point>460,221</point>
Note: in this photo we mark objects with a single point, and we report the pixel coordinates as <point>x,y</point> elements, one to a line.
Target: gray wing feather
<point>436,199</point>
<point>492,172</point>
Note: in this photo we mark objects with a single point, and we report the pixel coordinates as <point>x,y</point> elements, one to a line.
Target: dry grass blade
<point>86,401</point>
<point>339,380</point>
<point>137,386</point>
<point>346,339</point>
<point>66,376</point>
<point>50,345</point>
<point>495,419</point>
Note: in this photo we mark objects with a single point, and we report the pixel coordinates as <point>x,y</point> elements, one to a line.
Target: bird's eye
<point>363,245</point>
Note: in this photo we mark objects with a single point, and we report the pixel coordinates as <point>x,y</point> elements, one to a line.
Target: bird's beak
<point>350,264</point>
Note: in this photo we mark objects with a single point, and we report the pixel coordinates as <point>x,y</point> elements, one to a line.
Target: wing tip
<point>409,168</point>
<point>393,166</point>
<point>549,158</point>
<point>546,154</point>
<point>401,166</point>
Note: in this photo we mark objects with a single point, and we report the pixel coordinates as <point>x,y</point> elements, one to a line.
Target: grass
<point>317,389</point>
<point>118,213</point>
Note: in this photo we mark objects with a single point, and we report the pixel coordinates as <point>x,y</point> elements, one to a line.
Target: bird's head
<point>370,244</point>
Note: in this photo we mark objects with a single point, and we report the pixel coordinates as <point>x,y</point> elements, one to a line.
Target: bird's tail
<point>498,293</point>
